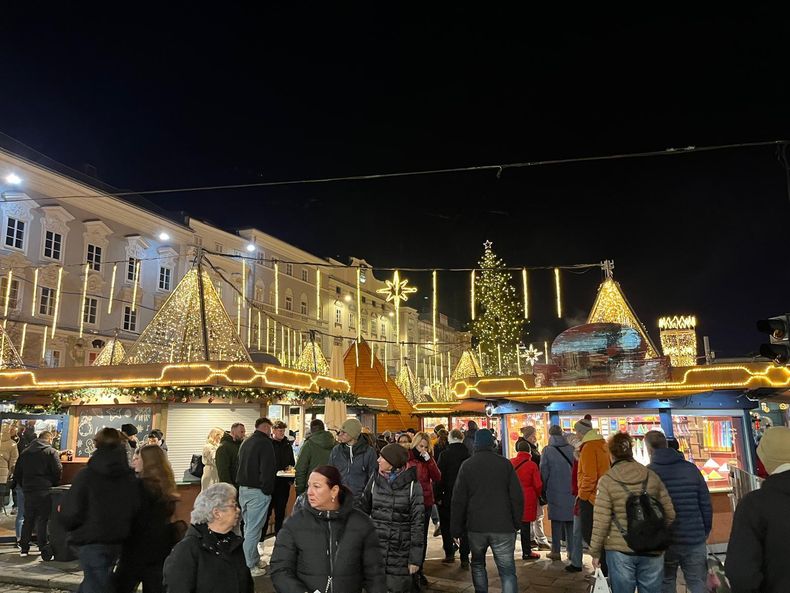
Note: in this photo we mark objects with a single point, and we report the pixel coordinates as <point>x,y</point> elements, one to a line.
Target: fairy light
<point>84,299</point>
<point>57,303</point>
<point>435,306</point>
<point>611,306</point>
<point>449,366</point>
<point>371,356</point>
<point>112,288</point>
<point>44,345</point>
<point>274,340</point>
<point>546,351</point>
<point>35,287</point>
<point>385,362</point>
<point>238,314</point>
<point>7,295</point>
<point>518,361</point>
<point>259,330</point>
<point>22,344</point>
<point>499,356</point>
<point>416,360</point>
<point>356,351</point>
<point>312,360</point>
<point>268,342</point>
<point>249,327</point>
<point>473,295</point>
<point>136,285</point>
<point>558,291</point>
<point>276,288</point>
<point>318,294</point>
<point>244,284</point>
<point>359,317</point>
<point>526,292</point>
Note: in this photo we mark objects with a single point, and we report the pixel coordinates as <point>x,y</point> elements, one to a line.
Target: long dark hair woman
<point>327,545</point>
<point>153,535</point>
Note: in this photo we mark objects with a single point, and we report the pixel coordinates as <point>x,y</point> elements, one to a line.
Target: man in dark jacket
<point>37,470</point>
<point>284,456</point>
<point>99,508</point>
<point>355,459</point>
<point>449,463</point>
<point>694,514</point>
<point>469,437</point>
<point>227,456</point>
<point>487,505</point>
<point>756,561</point>
<point>256,476</point>
<point>314,452</point>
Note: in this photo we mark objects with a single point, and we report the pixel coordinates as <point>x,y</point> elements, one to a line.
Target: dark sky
<point>159,98</point>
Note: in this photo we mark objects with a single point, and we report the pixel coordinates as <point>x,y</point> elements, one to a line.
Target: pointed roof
<point>611,306</point>
<point>369,381</point>
<point>188,328</point>
<point>9,357</point>
<point>409,386</point>
<point>467,367</point>
<point>112,353</point>
<point>312,360</point>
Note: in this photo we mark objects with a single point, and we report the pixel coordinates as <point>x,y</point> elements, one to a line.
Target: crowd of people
<point>365,503</point>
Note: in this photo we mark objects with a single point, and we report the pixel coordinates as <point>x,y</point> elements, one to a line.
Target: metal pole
<point>201,299</point>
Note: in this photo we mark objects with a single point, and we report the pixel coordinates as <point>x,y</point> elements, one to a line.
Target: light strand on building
<point>259,330</point>
<point>473,295</point>
<point>318,294</point>
<point>57,304</point>
<point>136,285</point>
<point>268,341</point>
<point>84,299</point>
<point>9,278</point>
<point>546,351</point>
<point>112,289</point>
<point>558,290</point>
<point>24,335</point>
<point>435,306</point>
<point>276,288</point>
<point>249,327</point>
<point>35,287</point>
<point>518,360</point>
<point>499,356</point>
<point>359,317</point>
<point>526,292</point>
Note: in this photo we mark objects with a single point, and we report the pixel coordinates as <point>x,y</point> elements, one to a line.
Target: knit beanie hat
<point>395,455</point>
<point>484,439</point>
<point>774,448</point>
<point>582,427</point>
<point>129,429</point>
<point>352,427</point>
<point>528,431</point>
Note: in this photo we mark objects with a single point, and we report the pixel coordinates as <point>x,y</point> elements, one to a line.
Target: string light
<point>44,345</point>
<point>312,360</point>
<point>435,306</point>
<point>679,340</point>
<point>611,306</point>
<point>244,283</point>
<point>473,295</point>
<point>526,292</point>
<point>359,318</point>
<point>318,294</point>
<point>499,356</point>
<point>546,351</point>
<point>136,285</point>
<point>9,278</point>
<point>259,330</point>
<point>57,303</point>
<point>84,299</point>
<point>35,287</point>
<point>467,367</point>
<point>371,355</point>
<point>24,335</point>
<point>249,327</point>
<point>518,361</point>
<point>114,352</point>
<point>557,290</point>
<point>112,289</point>
<point>238,314</point>
<point>385,362</point>
<point>276,288</point>
<point>274,343</point>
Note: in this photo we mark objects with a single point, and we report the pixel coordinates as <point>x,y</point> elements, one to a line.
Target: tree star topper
<point>531,355</point>
<point>397,290</point>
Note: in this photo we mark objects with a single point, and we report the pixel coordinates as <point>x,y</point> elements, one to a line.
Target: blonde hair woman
<point>428,473</point>
<point>210,475</point>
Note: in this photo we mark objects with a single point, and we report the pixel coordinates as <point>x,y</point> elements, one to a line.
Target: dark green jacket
<point>227,459</point>
<point>314,452</point>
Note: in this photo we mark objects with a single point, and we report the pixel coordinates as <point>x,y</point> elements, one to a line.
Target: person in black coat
<point>757,557</point>
<point>393,498</point>
<point>449,465</point>
<point>284,457</point>
<point>327,545</point>
<point>210,558</point>
<point>153,535</point>
<point>99,508</point>
<point>469,437</point>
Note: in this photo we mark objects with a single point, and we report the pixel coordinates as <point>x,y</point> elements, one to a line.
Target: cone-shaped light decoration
<point>9,357</point>
<point>467,367</point>
<point>112,353</point>
<point>408,385</point>
<point>192,325</point>
<point>312,360</point>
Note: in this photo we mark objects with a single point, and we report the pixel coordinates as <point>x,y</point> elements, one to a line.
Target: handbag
<point>716,581</point>
<point>196,466</point>
<point>600,585</point>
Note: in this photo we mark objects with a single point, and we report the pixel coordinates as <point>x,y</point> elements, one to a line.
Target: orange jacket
<point>593,464</point>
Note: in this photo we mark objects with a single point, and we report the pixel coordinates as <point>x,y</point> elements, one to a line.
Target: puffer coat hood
<point>356,463</point>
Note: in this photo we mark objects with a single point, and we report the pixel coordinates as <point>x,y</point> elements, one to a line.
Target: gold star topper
<point>487,245</point>
<point>396,289</point>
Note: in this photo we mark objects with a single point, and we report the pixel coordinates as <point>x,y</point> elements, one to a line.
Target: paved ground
<point>540,576</point>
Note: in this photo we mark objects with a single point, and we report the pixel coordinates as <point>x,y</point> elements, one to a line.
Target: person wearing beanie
<point>531,485</point>
<point>128,432</point>
<point>556,467</point>
<point>393,499</point>
<point>449,464</point>
<point>488,504</point>
<point>756,560</point>
<point>593,464</point>
<point>353,456</point>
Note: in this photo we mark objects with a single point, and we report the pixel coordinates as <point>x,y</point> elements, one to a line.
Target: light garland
<point>526,292</point>
<point>276,290</point>
<point>84,299</point>
<point>312,360</point>
<point>546,351</point>
<point>435,305</point>
<point>112,288</point>
<point>136,285</point>
<point>238,314</point>
<point>259,330</point>
<point>112,353</point>
<point>473,295</point>
<point>57,303</point>
<point>678,337</point>
<point>35,287</point>
<point>558,290</point>
<point>24,335</point>
<point>318,294</point>
<point>359,317</point>
<point>249,327</point>
<point>44,345</point>
<point>7,295</point>
<point>611,306</point>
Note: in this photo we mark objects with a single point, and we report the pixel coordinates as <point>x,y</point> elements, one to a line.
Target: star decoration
<point>487,245</point>
<point>397,289</point>
<point>531,355</point>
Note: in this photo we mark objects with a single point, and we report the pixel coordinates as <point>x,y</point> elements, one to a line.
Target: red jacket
<point>531,484</point>
<point>427,473</point>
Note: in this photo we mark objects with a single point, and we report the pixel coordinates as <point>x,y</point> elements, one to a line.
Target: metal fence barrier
<point>742,483</point>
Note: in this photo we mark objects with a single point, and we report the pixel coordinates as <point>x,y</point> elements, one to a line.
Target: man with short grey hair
<point>694,514</point>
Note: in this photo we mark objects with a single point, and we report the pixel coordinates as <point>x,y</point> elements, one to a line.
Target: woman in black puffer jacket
<point>327,545</point>
<point>393,498</point>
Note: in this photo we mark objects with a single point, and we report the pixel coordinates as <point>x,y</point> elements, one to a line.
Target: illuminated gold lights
<point>318,294</point>
<point>136,285</point>
<point>259,330</point>
<point>9,357</point>
<point>112,353</point>
<point>238,314</point>
<point>312,360</point>
<point>22,345</point>
<point>57,302</point>
<point>276,291</point>
<point>467,367</point>
<point>44,345</point>
<point>397,290</point>
<point>35,298</point>
<point>359,317</point>
<point>112,289</point>
<point>179,329</point>
<point>472,290</point>
<point>526,292</point>
<point>678,337</point>
<point>408,385</point>
<point>84,299</point>
<point>558,291</point>
<point>435,305</point>
<point>546,351</point>
<point>9,278</point>
<point>611,306</point>
<point>249,328</point>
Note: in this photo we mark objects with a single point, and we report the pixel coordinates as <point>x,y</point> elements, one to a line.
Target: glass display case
<point>712,443</point>
<point>515,422</point>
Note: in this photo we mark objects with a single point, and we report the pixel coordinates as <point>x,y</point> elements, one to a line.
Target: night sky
<point>164,98</point>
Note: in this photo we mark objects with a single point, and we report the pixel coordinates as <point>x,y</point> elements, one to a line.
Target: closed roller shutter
<point>188,427</point>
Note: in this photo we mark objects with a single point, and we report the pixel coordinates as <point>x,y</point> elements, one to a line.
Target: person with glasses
<point>284,456</point>
<point>211,557</point>
<point>353,457</point>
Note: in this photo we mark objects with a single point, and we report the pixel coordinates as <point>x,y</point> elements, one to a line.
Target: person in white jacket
<point>210,475</point>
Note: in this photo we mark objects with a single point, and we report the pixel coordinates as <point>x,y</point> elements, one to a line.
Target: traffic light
<point>778,330</point>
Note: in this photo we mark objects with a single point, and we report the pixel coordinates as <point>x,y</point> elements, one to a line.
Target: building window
<point>305,275</point>
<point>303,309</point>
<point>383,334</point>
<point>129,319</point>
<point>164,278</point>
<point>218,247</point>
<point>94,257</point>
<point>337,290</point>
<point>289,303</point>
<point>89,310</point>
<point>52,359</point>
<point>338,316</point>
<point>13,296</point>
<point>364,300</point>
<point>52,244</point>
<point>352,319</point>
<point>46,305</point>
<point>258,294</point>
<point>289,269</point>
<point>130,268</point>
<point>15,233</point>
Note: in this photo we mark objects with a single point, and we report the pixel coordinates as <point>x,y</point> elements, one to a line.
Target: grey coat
<point>556,470</point>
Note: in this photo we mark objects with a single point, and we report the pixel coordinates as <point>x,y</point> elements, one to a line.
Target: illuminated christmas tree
<point>408,385</point>
<point>467,367</point>
<point>312,360</point>
<point>191,326</point>
<point>498,320</point>
<point>112,353</point>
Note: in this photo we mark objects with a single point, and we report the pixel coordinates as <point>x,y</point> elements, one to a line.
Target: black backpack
<point>647,530</point>
<point>196,466</point>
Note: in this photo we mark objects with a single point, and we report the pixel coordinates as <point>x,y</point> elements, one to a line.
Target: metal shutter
<point>188,427</point>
